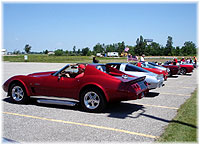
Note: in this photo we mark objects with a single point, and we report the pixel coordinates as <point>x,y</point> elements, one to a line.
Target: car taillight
<point>136,87</point>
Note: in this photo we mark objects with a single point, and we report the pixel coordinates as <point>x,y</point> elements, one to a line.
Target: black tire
<point>93,100</point>
<point>18,94</point>
<point>170,74</point>
<point>183,71</point>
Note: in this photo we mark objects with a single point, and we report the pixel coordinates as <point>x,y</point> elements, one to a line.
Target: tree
<point>79,51</point>
<point>121,47</point>
<point>74,49</point>
<point>16,52</point>
<point>27,48</point>
<point>189,48</point>
<point>86,51</point>
<point>67,52</point>
<point>98,48</point>
<point>169,48</point>
<point>140,46</point>
<point>131,50</point>
<point>59,52</point>
<point>46,51</point>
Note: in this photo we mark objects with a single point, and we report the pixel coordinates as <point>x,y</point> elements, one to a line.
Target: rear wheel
<point>92,100</point>
<point>183,71</point>
<point>18,94</point>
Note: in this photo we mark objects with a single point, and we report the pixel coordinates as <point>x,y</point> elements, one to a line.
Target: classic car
<point>93,88</point>
<point>184,68</point>
<point>174,69</point>
<point>153,80</point>
<point>152,68</point>
<point>158,66</point>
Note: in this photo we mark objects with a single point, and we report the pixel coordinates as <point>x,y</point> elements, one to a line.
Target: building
<point>3,52</point>
<point>51,53</point>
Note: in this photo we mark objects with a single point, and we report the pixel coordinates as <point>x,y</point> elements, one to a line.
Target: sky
<point>54,26</point>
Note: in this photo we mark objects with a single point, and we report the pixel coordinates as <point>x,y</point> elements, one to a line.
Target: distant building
<point>99,55</point>
<point>51,53</point>
<point>112,54</point>
<point>3,52</point>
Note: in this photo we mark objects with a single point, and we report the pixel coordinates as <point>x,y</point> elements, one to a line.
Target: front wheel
<point>93,100</point>
<point>18,94</point>
<point>183,71</point>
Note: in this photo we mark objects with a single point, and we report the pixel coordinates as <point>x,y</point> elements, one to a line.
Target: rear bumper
<point>156,85</point>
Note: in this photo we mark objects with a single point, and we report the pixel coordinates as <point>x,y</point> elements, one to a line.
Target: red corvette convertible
<point>93,86</point>
<point>174,69</point>
<point>151,68</point>
<point>183,68</point>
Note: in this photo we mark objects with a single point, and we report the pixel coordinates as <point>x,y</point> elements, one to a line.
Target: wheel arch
<point>94,86</point>
<point>19,82</point>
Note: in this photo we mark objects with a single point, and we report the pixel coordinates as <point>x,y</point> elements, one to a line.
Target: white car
<point>158,66</point>
<point>153,80</point>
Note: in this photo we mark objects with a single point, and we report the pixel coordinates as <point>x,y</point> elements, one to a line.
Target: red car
<point>183,68</point>
<point>93,88</point>
<point>153,69</point>
<point>186,68</point>
<point>174,69</point>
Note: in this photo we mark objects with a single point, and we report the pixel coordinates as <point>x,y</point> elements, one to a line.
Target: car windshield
<point>130,67</point>
<point>56,73</point>
<point>101,68</point>
<point>146,65</point>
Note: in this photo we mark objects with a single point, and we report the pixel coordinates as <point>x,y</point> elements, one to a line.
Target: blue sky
<point>64,25</point>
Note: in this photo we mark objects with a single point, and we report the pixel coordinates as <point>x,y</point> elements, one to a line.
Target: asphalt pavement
<point>141,120</point>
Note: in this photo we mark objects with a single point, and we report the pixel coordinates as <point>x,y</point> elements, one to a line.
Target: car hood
<point>41,74</point>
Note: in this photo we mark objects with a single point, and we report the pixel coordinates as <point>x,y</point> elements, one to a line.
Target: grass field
<point>73,59</point>
<point>183,128</point>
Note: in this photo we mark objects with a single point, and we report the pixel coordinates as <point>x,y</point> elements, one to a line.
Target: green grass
<point>183,128</point>
<point>69,59</point>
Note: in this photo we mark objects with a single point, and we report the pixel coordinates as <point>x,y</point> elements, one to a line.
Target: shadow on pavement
<point>115,110</point>
<point>151,94</point>
<point>173,76</point>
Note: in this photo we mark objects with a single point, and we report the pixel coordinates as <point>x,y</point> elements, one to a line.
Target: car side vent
<point>32,89</point>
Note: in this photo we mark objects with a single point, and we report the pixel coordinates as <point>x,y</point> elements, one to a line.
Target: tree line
<point>142,47</point>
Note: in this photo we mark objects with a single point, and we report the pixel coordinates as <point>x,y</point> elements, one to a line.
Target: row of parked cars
<point>92,86</point>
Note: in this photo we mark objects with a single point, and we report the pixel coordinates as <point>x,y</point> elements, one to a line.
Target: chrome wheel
<point>91,100</point>
<point>17,93</point>
<point>183,71</point>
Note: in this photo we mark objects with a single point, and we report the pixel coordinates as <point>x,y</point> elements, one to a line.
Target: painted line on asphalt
<point>176,94</point>
<point>83,124</point>
<point>180,87</point>
<point>157,106</point>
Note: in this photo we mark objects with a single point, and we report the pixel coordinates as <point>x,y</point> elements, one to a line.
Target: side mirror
<point>59,76</point>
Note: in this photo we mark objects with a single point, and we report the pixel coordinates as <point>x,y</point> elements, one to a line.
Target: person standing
<point>142,57</point>
<point>195,60</point>
<point>94,60</point>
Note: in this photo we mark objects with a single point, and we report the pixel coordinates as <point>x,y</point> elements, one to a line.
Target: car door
<point>60,87</point>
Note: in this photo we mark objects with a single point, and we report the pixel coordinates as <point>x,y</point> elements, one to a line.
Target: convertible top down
<point>93,88</point>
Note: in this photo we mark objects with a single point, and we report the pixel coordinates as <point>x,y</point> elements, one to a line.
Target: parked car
<point>152,68</point>
<point>93,89</point>
<point>174,69</point>
<point>184,68</point>
<point>153,80</point>
<point>158,66</point>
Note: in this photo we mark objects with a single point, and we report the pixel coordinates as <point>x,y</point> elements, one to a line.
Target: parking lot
<point>141,120</point>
